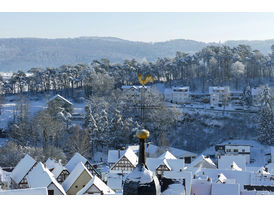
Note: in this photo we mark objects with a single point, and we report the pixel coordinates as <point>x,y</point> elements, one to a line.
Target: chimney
<point>119,153</point>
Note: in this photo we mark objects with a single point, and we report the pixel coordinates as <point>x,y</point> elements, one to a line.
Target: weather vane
<point>143,82</point>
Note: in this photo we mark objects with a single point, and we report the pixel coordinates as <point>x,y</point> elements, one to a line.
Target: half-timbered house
<point>19,173</point>
<point>126,163</point>
<point>77,158</point>
<point>40,176</point>
<point>203,162</point>
<point>96,187</point>
<point>58,170</point>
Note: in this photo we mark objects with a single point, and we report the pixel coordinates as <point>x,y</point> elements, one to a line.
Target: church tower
<point>141,181</point>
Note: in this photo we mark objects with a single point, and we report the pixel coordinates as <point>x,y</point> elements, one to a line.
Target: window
<point>235,150</point>
<point>243,150</point>
<point>50,192</point>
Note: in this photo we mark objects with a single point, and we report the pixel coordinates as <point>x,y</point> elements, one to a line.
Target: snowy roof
<point>241,177</point>
<point>171,164</point>
<point>28,191</point>
<point>74,161</point>
<point>180,89</point>
<point>22,168</point>
<point>234,166</point>
<point>167,155</point>
<point>153,151</point>
<point>131,156</point>
<point>270,168</point>
<point>113,155</point>
<point>76,172</point>
<point>203,162</point>
<point>142,177</point>
<point>262,171</point>
<point>115,181</point>
<point>134,87</point>
<point>225,189</point>
<point>154,163</point>
<point>59,97</point>
<point>226,162</point>
<point>40,176</point>
<point>221,178</point>
<point>55,167</point>
<point>50,163</point>
<point>212,89</point>
<point>97,182</point>
<point>176,164</point>
<point>175,189</point>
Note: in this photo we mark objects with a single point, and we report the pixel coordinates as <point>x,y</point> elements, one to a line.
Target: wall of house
<point>81,182</point>
<point>201,187</point>
<point>56,190</point>
<point>93,190</point>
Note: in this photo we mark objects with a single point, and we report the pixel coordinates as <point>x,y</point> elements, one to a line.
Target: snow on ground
<point>35,105</point>
<point>9,109</point>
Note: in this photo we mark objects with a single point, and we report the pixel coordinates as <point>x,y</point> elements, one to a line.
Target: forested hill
<point>26,53</point>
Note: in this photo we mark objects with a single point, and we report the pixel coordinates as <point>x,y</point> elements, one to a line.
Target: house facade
<point>77,179</point>
<point>40,176</point>
<point>177,95</point>
<point>234,149</point>
<point>218,96</point>
<point>126,163</point>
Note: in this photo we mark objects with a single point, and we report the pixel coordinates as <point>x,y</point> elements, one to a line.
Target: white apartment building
<point>177,95</point>
<point>218,95</point>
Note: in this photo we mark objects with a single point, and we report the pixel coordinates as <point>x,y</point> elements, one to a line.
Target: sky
<point>140,26</point>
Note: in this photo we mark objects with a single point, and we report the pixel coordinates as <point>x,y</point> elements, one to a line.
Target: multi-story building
<point>219,95</point>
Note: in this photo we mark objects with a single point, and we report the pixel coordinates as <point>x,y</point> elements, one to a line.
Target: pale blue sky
<point>148,27</point>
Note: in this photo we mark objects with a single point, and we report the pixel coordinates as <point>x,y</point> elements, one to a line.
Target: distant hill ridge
<point>26,53</point>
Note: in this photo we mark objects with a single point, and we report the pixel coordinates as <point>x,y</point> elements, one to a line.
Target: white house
<point>19,173</point>
<point>232,162</point>
<point>76,159</point>
<point>218,95</point>
<point>165,162</point>
<point>155,151</point>
<point>77,179</point>
<point>203,162</point>
<point>126,163</point>
<point>177,94</point>
<point>133,92</point>
<point>58,170</point>
<point>96,187</point>
<point>40,176</point>
<point>234,149</point>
